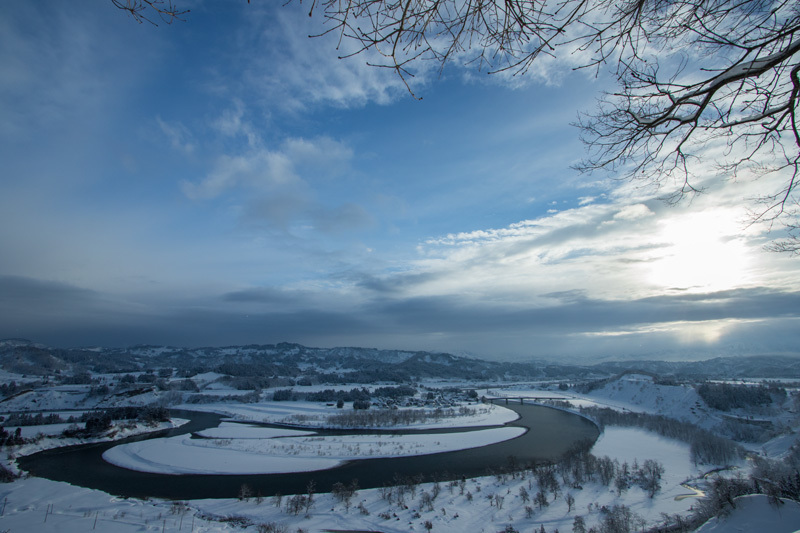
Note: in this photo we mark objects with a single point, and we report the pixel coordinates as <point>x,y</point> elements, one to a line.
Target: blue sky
<point>227,180</point>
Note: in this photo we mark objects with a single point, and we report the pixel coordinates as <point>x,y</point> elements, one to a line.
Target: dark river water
<point>550,433</point>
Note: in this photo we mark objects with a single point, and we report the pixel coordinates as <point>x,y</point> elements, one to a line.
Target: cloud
<point>265,131</point>
<point>343,218</point>
<point>572,313</point>
<point>320,157</point>
<point>266,295</point>
<point>278,186</point>
<point>567,322</point>
<point>259,170</point>
<point>232,123</point>
<point>19,290</point>
<point>293,72</point>
<point>78,54</point>
<point>633,212</point>
<point>179,136</point>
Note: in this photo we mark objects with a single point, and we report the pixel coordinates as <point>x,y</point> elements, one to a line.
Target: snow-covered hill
<point>756,513</point>
<point>640,392</point>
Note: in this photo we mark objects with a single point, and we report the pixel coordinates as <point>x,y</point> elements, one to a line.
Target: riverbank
<point>548,435</point>
<point>456,507</point>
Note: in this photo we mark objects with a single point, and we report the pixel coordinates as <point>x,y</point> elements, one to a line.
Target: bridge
<point>522,399</point>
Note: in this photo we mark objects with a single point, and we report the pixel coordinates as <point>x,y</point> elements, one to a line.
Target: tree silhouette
<point>149,10</point>
<point>695,77</point>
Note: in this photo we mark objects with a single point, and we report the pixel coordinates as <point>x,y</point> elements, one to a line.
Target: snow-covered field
<point>485,504</point>
<point>631,444</point>
<point>73,509</point>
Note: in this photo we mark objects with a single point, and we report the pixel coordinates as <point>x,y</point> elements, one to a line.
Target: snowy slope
<point>755,513</point>
<point>638,392</point>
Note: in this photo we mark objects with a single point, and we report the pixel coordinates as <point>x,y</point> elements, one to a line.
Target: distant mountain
<point>365,365</point>
<point>753,366</point>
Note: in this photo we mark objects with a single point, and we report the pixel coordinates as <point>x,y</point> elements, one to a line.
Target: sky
<point>228,180</point>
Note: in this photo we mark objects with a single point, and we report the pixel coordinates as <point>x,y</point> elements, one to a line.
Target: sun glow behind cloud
<point>700,252</point>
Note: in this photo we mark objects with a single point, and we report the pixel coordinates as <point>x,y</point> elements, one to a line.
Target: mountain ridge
<point>23,356</point>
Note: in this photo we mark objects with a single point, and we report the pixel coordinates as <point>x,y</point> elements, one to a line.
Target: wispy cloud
<point>292,66</point>
<point>277,186</point>
<point>262,170</point>
<point>179,136</point>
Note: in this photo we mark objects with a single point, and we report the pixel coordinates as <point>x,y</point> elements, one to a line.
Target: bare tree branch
<point>144,10</point>
<point>694,75</point>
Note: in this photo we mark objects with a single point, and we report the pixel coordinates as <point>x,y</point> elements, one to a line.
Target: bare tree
<point>711,79</point>
<point>650,475</point>
<point>148,10</point>
<point>578,525</point>
<point>697,78</point>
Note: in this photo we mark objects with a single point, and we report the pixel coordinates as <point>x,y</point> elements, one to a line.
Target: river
<point>550,433</point>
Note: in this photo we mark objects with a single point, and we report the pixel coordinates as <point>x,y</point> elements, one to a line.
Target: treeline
<point>146,413</point>
<point>27,419</point>
<point>152,379</point>
<point>257,382</point>
<point>250,397</point>
<point>96,422</point>
<point>705,447</point>
<point>392,417</point>
<point>12,387</point>
<point>725,396</point>
<point>386,374</point>
<point>355,394</point>
<point>579,466</point>
<point>8,438</point>
<point>246,369</point>
<point>330,395</point>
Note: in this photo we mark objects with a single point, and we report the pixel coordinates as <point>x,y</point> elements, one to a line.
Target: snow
<point>282,453</point>
<point>639,393</point>
<point>41,505</point>
<point>630,392</point>
<point>206,377</point>
<point>119,430</point>
<point>778,447</point>
<point>74,509</point>
<point>755,513</point>
<point>629,444</point>
<point>633,444</point>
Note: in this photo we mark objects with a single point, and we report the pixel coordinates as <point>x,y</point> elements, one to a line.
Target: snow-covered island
<point>247,449</point>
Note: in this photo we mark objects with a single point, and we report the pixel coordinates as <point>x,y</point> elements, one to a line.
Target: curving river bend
<point>550,433</point>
